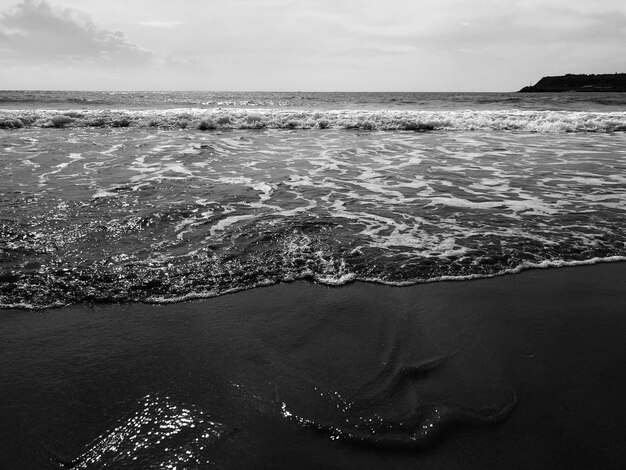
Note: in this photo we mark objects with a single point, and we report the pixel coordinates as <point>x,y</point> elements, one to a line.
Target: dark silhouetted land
<point>582,82</point>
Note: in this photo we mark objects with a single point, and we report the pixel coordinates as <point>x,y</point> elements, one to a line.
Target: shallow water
<point>132,214</point>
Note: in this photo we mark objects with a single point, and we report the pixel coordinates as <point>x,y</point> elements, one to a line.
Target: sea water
<point>166,197</point>
<point>161,197</point>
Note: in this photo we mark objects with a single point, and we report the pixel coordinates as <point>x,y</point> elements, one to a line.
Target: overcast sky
<point>325,45</point>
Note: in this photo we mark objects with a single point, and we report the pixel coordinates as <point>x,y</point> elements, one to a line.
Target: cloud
<point>34,30</point>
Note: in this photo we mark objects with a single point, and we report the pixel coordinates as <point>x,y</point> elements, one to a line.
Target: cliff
<point>570,82</point>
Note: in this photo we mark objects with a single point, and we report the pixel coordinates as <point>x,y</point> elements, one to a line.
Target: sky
<point>306,45</point>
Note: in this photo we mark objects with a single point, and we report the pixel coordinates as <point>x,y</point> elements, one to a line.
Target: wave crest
<point>216,119</point>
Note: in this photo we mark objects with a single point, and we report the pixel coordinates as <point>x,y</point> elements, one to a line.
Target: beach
<point>260,371</point>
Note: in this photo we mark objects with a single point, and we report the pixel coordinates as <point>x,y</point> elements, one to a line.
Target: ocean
<point>120,210</point>
<point>162,197</point>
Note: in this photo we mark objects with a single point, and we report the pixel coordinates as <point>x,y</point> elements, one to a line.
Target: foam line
<point>214,119</point>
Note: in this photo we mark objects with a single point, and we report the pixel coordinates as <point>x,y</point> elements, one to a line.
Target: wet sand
<point>551,340</point>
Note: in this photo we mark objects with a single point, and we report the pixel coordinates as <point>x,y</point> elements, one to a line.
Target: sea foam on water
<point>134,198</point>
<point>216,119</point>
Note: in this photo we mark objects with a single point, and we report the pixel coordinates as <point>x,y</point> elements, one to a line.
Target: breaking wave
<point>391,120</point>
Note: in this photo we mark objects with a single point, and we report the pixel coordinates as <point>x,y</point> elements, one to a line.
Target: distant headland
<point>580,82</point>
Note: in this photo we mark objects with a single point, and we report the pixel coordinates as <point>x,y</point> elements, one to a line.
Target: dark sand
<point>555,339</point>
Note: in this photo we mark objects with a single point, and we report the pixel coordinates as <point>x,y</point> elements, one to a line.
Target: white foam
<point>234,118</point>
<point>223,224</point>
<point>546,264</point>
<point>532,205</point>
<point>104,193</point>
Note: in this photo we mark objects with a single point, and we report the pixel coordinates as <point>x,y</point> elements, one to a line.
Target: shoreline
<point>346,280</point>
<point>553,337</point>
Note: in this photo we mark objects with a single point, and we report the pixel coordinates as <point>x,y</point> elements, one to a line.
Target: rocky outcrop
<point>582,82</point>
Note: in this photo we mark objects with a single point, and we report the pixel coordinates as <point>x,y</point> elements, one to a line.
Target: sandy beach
<point>263,365</point>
